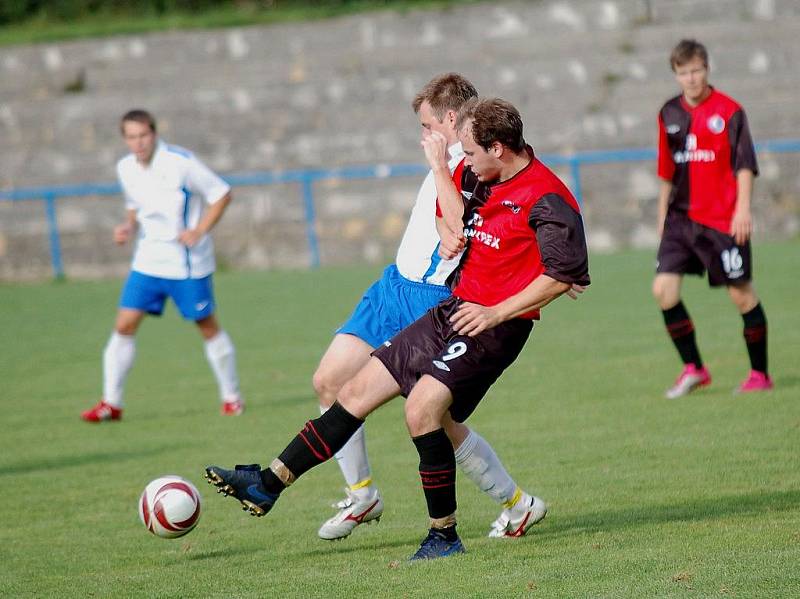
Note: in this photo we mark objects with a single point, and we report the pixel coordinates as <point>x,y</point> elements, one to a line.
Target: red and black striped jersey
<point>517,230</point>
<point>700,150</point>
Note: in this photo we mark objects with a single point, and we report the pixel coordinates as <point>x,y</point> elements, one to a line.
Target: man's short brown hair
<point>685,51</point>
<point>445,92</point>
<point>138,115</point>
<point>491,120</point>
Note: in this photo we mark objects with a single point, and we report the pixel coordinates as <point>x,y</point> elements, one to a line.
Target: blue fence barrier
<point>308,177</point>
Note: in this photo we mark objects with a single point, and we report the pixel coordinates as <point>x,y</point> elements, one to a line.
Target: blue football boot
<point>436,545</point>
<point>243,483</point>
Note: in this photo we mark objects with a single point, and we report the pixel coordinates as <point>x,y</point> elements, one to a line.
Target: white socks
<point>475,457</point>
<point>480,463</point>
<point>354,463</point>
<point>222,356</point>
<point>117,361</point>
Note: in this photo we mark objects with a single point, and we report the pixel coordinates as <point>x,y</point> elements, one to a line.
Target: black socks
<point>681,329</point>
<point>755,336</point>
<point>437,470</point>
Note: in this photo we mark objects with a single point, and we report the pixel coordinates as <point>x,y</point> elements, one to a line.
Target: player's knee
<point>665,294</point>
<point>658,290</point>
<point>350,396</point>
<point>744,298</point>
<point>325,387</point>
<point>418,417</point>
<point>126,326</point>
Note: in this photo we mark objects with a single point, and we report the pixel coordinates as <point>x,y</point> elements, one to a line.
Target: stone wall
<point>585,74</point>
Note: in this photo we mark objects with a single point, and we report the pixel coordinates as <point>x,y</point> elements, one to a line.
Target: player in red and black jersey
<point>706,162</point>
<point>526,247</point>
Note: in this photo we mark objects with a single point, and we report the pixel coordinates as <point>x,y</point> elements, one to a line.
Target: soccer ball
<point>169,506</point>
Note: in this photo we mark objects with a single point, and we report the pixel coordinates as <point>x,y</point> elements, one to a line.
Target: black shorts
<point>688,247</point>
<point>467,366</point>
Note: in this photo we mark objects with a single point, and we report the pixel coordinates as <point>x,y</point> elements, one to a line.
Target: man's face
<point>692,76</point>
<point>485,165</point>
<point>430,123</point>
<point>140,139</point>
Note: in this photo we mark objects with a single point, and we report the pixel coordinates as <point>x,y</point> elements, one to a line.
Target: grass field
<point>698,497</point>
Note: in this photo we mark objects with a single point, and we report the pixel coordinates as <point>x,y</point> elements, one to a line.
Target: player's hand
<point>471,319</point>
<point>122,233</point>
<point>575,291</point>
<point>435,146</point>
<point>451,245</point>
<point>190,237</point>
<point>741,226</point>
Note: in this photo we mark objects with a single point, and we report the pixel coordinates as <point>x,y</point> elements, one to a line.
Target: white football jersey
<point>418,255</point>
<point>168,196</point>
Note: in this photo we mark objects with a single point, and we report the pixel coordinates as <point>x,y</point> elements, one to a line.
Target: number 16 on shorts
<point>732,263</point>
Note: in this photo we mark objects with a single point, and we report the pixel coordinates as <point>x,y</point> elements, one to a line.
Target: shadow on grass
<point>73,461</point>
<point>698,510</point>
<point>383,542</point>
<point>213,554</point>
<point>786,381</point>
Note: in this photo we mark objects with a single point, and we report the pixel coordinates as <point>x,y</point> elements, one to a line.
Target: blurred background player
<point>407,289</point>
<point>164,187</point>
<point>707,163</point>
<point>526,248</point>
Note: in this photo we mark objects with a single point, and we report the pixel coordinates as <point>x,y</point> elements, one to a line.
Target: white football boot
<point>353,510</point>
<point>515,522</point>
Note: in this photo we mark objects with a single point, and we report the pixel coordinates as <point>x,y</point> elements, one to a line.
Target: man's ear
<point>496,149</point>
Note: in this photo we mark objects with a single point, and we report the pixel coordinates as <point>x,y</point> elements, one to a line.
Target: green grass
<point>43,28</point>
<point>649,498</point>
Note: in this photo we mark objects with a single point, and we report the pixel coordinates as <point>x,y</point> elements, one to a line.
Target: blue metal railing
<point>307,178</point>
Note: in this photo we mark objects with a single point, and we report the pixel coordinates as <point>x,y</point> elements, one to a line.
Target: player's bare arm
<point>190,237</point>
<point>742,222</point>
<point>472,319</point>
<point>123,232</point>
<point>452,242</point>
<point>450,202</point>
<point>664,191</point>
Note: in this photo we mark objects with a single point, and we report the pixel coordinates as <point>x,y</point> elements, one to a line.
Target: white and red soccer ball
<point>169,506</point>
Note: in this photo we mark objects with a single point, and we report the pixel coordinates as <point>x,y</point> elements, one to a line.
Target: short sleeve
<point>666,165</point>
<point>202,180</point>
<point>743,153</point>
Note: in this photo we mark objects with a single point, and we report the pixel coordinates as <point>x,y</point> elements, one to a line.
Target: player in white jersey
<point>408,288</point>
<point>165,188</point>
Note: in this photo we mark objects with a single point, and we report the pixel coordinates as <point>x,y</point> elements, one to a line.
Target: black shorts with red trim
<point>467,366</point>
<point>688,247</point>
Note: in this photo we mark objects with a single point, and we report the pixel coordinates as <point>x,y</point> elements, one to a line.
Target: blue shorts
<point>390,305</point>
<point>194,297</point>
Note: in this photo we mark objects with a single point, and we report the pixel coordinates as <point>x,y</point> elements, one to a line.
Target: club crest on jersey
<point>511,205</point>
<point>673,129</point>
<point>716,124</point>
